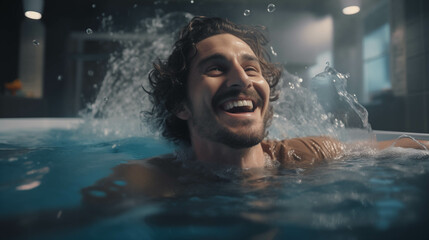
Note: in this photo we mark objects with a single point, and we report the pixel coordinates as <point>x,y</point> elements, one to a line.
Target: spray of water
<point>127,73</point>
<point>324,107</point>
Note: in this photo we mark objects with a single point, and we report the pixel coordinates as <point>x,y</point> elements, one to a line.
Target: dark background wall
<point>404,108</point>
<point>408,106</point>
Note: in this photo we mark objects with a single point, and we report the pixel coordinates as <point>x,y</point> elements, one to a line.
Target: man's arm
<point>404,143</point>
<point>148,178</point>
<point>308,150</point>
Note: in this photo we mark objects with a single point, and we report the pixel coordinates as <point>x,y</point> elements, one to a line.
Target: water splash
<point>246,12</point>
<point>330,88</point>
<point>323,107</point>
<point>300,110</point>
<point>128,68</point>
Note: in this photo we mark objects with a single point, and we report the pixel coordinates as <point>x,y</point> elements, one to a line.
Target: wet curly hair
<point>168,79</point>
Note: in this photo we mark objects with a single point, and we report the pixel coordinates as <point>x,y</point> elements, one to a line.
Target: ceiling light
<point>33,9</point>
<point>351,7</point>
<point>33,15</point>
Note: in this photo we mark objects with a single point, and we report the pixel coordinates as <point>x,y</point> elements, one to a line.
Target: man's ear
<point>183,113</point>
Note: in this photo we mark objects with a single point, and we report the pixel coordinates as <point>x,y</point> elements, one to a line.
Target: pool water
<point>366,195</point>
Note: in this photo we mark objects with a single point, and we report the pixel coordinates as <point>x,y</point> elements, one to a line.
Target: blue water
<point>366,195</point>
<point>62,164</point>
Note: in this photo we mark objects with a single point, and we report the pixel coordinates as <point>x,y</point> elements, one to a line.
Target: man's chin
<point>239,141</point>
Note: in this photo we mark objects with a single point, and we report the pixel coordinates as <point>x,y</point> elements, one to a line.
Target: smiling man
<point>227,107</point>
<point>213,95</point>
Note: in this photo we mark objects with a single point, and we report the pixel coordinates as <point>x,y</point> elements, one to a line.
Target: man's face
<point>228,98</point>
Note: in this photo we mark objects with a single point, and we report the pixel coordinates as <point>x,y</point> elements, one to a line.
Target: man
<point>212,98</point>
<point>213,95</point>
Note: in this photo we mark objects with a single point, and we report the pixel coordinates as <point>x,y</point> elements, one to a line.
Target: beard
<point>208,127</point>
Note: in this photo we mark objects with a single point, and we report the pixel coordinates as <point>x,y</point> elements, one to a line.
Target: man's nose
<point>237,77</point>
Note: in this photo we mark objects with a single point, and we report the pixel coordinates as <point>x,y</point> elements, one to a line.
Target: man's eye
<point>215,70</point>
<point>251,69</point>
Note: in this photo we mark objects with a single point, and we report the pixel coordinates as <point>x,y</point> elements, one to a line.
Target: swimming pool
<point>45,163</point>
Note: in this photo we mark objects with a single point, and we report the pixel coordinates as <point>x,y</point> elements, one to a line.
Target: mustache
<point>233,93</point>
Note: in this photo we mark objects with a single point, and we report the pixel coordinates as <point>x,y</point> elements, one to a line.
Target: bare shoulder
<point>304,149</point>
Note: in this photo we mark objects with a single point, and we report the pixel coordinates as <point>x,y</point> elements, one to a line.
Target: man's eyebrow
<point>249,57</point>
<point>210,58</point>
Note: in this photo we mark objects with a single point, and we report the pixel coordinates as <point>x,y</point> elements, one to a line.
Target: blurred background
<point>54,57</point>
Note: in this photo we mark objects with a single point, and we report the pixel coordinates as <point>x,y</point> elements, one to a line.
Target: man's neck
<point>214,153</point>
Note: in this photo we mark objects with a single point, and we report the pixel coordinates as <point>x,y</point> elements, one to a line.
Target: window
<point>376,54</point>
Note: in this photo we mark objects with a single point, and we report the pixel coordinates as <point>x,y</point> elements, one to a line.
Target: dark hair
<point>168,80</point>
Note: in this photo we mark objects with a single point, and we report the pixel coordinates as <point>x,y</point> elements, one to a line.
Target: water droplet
<point>59,214</point>
<point>272,51</point>
<point>93,5</point>
<point>90,73</point>
<point>60,78</point>
<point>347,75</point>
<point>135,5</point>
<point>89,31</point>
<point>271,8</point>
<point>327,63</point>
<point>36,43</point>
<point>106,99</point>
<point>192,1</point>
<point>114,146</point>
<point>95,86</point>
<point>246,12</point>
<point>306,67</point>
<point>300,80</point>
<point>12,159</point>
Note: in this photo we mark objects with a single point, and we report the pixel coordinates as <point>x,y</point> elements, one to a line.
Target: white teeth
<point>239,103</point>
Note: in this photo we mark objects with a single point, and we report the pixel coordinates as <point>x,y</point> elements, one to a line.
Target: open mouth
<point>238,106</point>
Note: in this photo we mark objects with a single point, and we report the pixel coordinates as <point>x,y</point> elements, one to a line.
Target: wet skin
<point>225,73</point>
